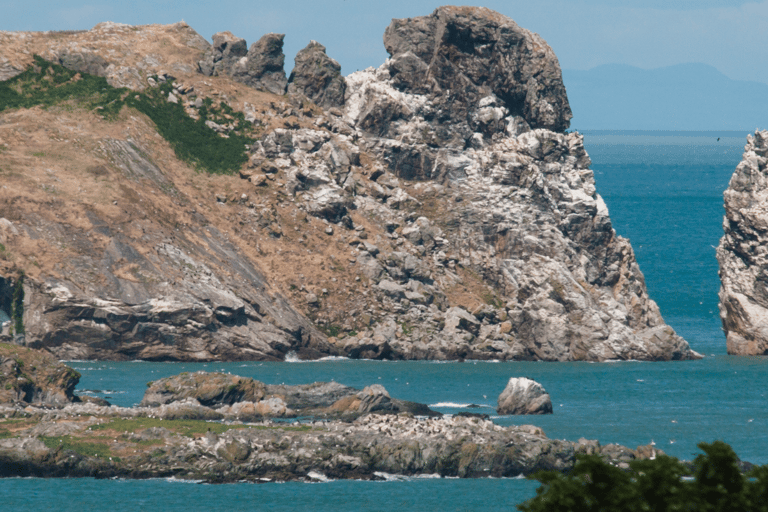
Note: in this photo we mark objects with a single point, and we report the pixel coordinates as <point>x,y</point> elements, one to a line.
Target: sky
<point>731,35</point>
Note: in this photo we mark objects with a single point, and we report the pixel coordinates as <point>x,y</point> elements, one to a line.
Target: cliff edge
<point>742,253</point>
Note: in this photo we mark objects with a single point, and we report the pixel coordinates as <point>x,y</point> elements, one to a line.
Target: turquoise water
<point>664,193</point>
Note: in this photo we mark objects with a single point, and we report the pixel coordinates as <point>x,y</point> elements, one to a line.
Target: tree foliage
<point>713,483</point>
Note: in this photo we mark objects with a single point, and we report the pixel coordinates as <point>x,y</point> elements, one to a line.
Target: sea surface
<point>664,192</point>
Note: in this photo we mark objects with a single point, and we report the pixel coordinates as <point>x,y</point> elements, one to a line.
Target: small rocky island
<point>742,253</point>
<point>224,428</point>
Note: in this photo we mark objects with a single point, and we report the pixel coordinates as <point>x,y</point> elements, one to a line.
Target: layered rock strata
<point>440,212</point>
<point>743,252</point>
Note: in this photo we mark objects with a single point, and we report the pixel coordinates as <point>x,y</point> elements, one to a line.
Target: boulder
<point>226,51</point>
<point>318,77</point>
<point>524,396</point>
<point>207,388</point>
<point>742,254</point>
<point>264,68</point>
<point>34,377</point>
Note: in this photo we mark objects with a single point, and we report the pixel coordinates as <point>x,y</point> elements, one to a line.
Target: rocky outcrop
<point>240,397</point>
<point>318,77</point>
<point>372,447</point>
<point>34,377</point>
<point>742,252</point>
<point>519,205</point>
<point>420,220</point>
<point>207,388</point>
<point>524,396</point>
<point>260,67</point>
<point>466,59</point>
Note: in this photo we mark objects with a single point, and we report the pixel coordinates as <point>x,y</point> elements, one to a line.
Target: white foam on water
<point>456,405</point>
<point>315,475</point>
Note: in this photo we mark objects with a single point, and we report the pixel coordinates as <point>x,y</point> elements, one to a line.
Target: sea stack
<point>743,253</point>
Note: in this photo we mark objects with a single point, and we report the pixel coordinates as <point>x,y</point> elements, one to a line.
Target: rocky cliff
<point>742,253</point>
<point>431,208</point>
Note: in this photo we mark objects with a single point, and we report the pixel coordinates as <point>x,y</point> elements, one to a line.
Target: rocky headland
<point>742,253</point>
<point>432,208</point>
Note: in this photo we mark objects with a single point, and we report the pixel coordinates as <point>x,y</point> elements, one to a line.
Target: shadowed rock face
<point>318,77</point>
<point>460,56</point>
<point>742,253</point>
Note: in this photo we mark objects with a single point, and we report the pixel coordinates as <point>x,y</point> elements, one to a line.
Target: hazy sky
<point>731,35</point>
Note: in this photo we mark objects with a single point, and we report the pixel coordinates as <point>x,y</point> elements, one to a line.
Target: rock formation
<point>318,77</point>
<point>34,377</point>
<point>371,448</point>
<point>243,398</point>
<point>524,396</point>
<point>260,67</point>
<point>742,253</point>
<point>439,212</point>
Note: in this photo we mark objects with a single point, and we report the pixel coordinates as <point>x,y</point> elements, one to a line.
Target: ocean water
<point>664,193</point>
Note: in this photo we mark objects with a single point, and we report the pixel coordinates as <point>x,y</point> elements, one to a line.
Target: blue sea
<point>664,192</point>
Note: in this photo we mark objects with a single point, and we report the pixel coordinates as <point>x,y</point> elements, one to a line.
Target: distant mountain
<point>680,97</point>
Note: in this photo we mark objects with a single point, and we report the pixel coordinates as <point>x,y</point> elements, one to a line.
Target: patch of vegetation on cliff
<point>47,84</point>
<point>193,141</point>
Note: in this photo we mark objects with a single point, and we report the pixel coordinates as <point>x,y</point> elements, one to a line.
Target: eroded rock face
<point>318,77</point>
<point>524,396</point>
<point>743,252</point>
<point>518,204</point>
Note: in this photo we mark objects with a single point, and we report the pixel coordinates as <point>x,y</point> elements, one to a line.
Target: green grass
<point>187,428</point>
<point>85,448</point>
<point>47,84</point>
